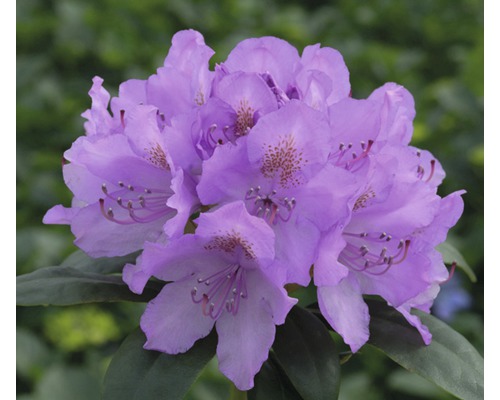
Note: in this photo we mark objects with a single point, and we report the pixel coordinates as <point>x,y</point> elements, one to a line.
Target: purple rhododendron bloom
<point>289,178</point>
<point>126,185</point>
<point>121,183</point>
<point>220,276</point>
<point>281,171</point>
<point>388,246</point>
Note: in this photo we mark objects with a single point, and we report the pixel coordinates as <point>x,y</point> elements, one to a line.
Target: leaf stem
<point>236,394</point>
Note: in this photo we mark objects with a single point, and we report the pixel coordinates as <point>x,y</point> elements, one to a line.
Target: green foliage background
<point>433,48</point>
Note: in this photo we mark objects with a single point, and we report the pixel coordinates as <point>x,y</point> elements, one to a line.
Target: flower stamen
<point>366,257</point>
<point>338,157</point>
<point>270,206</point>
<point>223,291</point>
<point>141,205</point>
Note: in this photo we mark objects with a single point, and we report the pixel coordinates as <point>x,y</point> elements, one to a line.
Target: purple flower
<point>124,188</point>
<point>397,221</point>
<point>282,173</point>
<point>319,78</point>
<point>125,183</point>
<point>293,178</point>
<point>221,276</point>
<point>183,83</point>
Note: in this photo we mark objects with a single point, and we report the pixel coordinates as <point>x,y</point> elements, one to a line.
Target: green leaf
<point>306,352</point>
<point>451,255</point>
<point>272,383</point>
<point>63,382</point>
<point>136,374</point>
<point>105,265</point>
<point>62,286</point>
<point>450,361</point>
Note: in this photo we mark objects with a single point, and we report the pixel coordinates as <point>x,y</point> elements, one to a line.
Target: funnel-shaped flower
<point>389,246</point>
<point>220,275</point>
<point>281,171</point>
<point>123,186</point>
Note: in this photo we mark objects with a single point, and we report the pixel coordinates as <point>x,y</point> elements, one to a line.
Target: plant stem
<point>236,394</point>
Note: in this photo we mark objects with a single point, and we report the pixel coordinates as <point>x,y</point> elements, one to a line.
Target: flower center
<point>212,137</point>
<point>221,291</point>
<point>134,204</point>
<point>232,242</point>
<point>270,206</point>
<point>157,157</point>
<point>244,119</point>
<point>364,200</point>
<point>374,252</point>
<point>283,162</point>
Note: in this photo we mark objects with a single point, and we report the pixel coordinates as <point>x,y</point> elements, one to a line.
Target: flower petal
<point>234,219</point>
<point>327,270</point>
<point>330,62</point>
<point>245,340</point>
<point>172,322</point>
<point>266,54</point>
<point>345,310</point>
<point>100,237</point>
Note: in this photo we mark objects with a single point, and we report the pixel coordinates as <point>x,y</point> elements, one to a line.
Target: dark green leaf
<point>307,354</point>
<point>272,383</point>
<point>67,382</point>
<point>61,286</point>
<point>105,265</point>
<point>451,254</point>
<point>450,361</point>
<point>137,374</point>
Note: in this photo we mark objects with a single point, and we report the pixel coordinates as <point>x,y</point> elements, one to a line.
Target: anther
<point>130,187</point>
<point>104,188</point>
<point>452,271</point>
<point>433,167</point>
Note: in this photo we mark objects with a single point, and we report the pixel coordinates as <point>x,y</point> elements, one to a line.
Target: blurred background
<point>433,48</point>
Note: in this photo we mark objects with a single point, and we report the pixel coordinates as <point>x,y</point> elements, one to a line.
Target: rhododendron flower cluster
<point>280,176</point>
